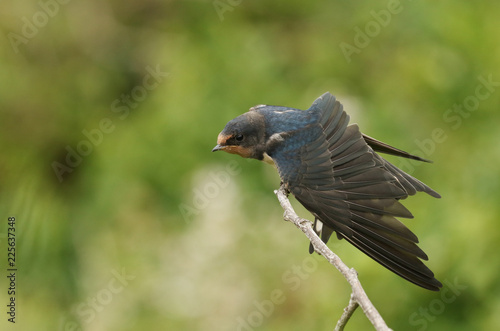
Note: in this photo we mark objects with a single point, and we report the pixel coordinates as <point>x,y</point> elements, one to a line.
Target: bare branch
<point>348,311</point>
<point>358,295</point>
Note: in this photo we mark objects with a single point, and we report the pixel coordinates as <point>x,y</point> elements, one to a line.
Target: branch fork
<point>358,295</point>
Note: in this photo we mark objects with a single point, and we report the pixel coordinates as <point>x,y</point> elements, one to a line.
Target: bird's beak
<point>221,143</point>
<point>218,148</point>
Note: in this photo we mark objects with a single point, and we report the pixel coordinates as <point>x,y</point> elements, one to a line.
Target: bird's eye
<point>239,137</point>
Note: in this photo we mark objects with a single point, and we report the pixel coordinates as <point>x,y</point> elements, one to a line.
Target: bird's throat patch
<point>268,159</point>
<point>241,151</point>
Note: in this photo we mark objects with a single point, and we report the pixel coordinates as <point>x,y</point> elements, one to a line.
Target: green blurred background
<point>142,227</point>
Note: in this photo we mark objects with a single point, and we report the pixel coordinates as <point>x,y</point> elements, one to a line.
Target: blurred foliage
<point>196,238</point>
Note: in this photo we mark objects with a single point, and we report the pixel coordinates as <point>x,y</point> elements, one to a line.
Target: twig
<point>358,295</point>
<point>348,311</point>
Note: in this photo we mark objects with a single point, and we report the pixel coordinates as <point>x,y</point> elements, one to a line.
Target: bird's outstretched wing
<point>333,172</point>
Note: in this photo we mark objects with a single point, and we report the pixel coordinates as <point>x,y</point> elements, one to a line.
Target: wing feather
<point>353,191</point>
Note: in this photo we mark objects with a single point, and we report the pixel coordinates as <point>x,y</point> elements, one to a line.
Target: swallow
<point>337,174</point>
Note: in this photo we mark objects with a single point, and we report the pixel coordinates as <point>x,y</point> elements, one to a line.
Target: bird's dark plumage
<point>334,171</point>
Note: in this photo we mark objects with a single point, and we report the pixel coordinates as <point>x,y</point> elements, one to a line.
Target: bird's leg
<point>285,189</point>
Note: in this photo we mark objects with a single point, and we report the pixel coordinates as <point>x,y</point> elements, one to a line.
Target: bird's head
<point>244,135</point>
